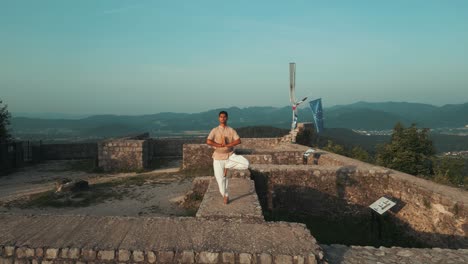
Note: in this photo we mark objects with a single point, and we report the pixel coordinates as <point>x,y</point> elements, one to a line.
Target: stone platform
<point>340,254</point>
<point>243,205</point>
<point>80,239</point>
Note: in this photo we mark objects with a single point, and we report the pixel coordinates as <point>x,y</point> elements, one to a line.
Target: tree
<point>451,170</point>
<point>335,148</point>
<point>410,150</point>
<point>4,123</point>
<point>361,154</point>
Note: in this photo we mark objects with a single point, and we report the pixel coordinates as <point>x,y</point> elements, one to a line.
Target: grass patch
<point>94,195</point>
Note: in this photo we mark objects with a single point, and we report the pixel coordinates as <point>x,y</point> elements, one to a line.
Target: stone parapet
<point>393,255</point>
<point>123,154</point>
<point>431,213</point>
<point>81,239</point>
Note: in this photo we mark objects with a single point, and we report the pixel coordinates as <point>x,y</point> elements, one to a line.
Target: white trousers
<point>218,167</point>
<point>236,162</point>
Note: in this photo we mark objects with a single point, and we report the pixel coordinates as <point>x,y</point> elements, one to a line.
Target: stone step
<point>243,205</point>
<point>107,239</point>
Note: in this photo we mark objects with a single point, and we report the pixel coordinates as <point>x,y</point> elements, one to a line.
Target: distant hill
<point>360,115</point>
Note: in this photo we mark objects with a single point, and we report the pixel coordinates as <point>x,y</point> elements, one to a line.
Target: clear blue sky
<point>142,57</point>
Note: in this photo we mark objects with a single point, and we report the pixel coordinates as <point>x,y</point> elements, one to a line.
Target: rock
<point>65,185</point>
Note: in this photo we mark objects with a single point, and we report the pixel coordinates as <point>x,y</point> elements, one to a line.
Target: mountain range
<point>360,115</point>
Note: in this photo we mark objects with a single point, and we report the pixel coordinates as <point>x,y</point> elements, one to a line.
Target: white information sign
<point>382,205</point>
<point>308,152</point>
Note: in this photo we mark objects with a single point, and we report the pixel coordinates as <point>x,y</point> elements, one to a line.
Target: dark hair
<point>223,112</point>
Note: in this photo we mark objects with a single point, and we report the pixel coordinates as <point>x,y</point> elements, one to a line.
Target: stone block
<point>35,261</point>
<point>9,251</point>
<point>24,252</point>
<point>106,255</point>
<point>39,252</point>
<point>228,257</point>
<point>265,258</point>
<point>138,256</point>
<point>283,259</point>
<point>187,257</point>
<point>298,259</point>
<point>88,254</point>
<point>151,256</point>
<point>207,257</point>
<point>47,262</point>
<point>311,259</point>
<point>74,253</point>
<point>165,257</point>
<point>21,261</point>
<point>6,260</point>
<point>245,258</point>
<point>51,253</point>
<point>64,253</point>
<point>124,255</point>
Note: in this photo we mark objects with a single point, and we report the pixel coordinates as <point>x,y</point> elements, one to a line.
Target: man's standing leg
<point>218,167</point>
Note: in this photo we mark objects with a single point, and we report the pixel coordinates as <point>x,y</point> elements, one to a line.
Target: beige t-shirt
<point>224,135</point>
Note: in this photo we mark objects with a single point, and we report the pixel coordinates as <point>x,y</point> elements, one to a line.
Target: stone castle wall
<point>123,154</point>
<point>431,213</point>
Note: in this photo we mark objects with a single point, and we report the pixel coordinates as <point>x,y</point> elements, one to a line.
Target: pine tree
<point>4,123</point>
<point>410,150</point>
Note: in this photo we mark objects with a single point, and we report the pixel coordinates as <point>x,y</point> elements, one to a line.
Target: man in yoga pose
<point>222,138</point>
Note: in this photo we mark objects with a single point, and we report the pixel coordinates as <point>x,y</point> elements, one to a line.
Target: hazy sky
<point>142,57</point>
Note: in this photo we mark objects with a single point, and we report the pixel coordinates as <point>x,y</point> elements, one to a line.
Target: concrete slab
<point>243,204</point>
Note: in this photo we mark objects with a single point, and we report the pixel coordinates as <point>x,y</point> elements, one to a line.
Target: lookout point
<point>255,227</point>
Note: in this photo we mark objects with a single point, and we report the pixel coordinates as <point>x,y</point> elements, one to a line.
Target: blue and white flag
<point>316,106</point>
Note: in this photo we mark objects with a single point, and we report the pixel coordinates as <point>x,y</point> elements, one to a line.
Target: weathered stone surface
<point>73,253</point>
<point>51,253</point>
<point>138,256</point>
<point>106,254</point>
<point>283,259</point>
<point>245,258</point>
<point>246,237</point>
<point>298,259</point>
<point>228,257</point>
<point>243,203</point>
<point>39,252</point>
<point>360,184</point>
<point>6,260</point>
<point>311,259</point>
<point>124,255</point>
<point>187,256</point>
<point>265,258</point>
<point>88,254</point>
<point>207,257</point>
<point>151,256</point>
<point>165,256</point>
<point>9,251</point>
<point>394,255</point>
<point>24,252</point>
<point>123,154</point>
